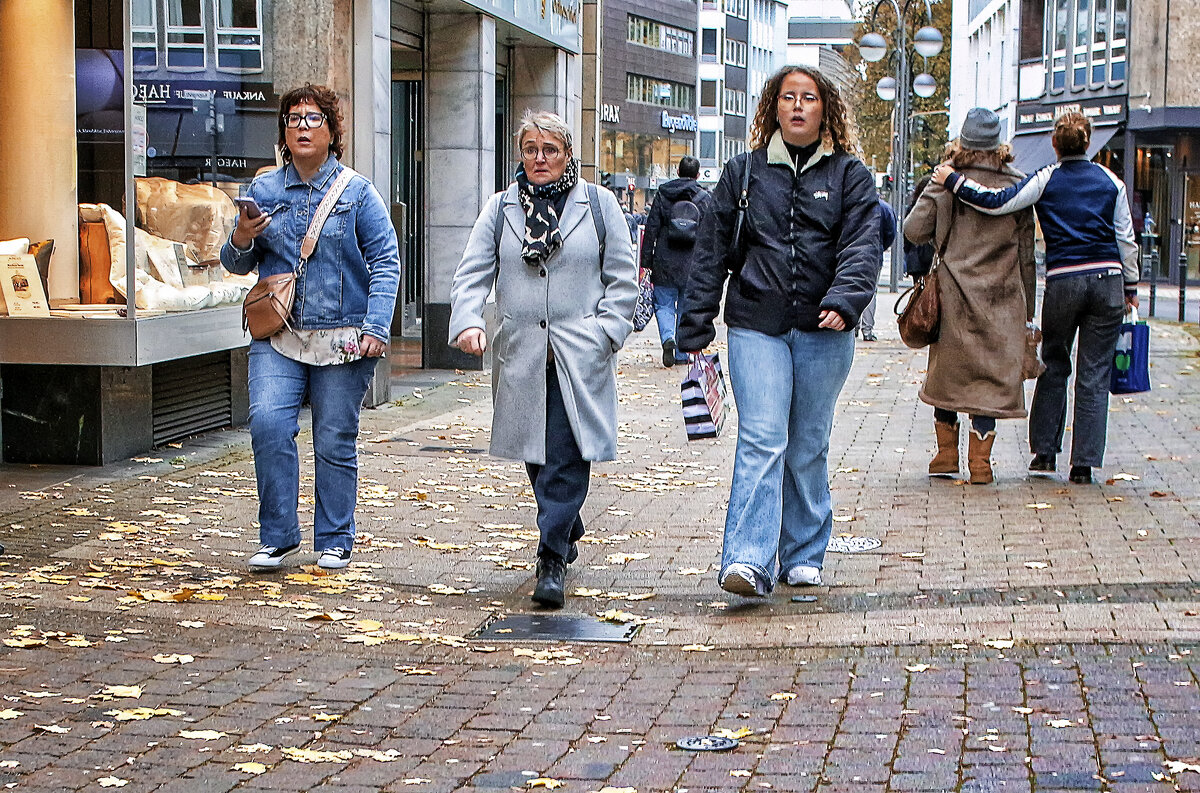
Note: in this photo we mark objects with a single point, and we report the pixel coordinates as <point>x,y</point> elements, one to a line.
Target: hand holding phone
<point>250,205</point>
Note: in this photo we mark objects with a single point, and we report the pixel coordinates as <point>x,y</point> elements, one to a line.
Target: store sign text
<point>567,9</point>
<point>610,114</point>
<point>683,122</point>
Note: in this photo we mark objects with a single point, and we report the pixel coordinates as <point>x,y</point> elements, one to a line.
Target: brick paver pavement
<point>1030,635</point>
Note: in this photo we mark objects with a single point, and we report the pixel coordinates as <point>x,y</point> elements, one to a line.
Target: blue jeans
<point>786,387</point>
<point>277,388</point>
<point>666,314</point>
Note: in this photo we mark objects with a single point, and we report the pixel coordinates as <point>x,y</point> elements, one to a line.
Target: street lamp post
<point>927,42</point>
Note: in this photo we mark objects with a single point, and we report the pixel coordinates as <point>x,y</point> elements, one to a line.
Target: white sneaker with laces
<point>269,557</point>
<point>334,559</point>
<point>804,575</point>
<point>740,579</point>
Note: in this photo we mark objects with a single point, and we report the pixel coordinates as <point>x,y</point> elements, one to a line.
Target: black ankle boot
<point>1042,462</point>
<point>1081,475</point>
<point>551,581</point>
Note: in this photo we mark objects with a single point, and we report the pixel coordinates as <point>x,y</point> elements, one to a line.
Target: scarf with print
<point>542,236</point>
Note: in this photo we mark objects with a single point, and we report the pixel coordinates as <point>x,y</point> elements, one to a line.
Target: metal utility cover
<point>553,628</point>
<point>706,743</point>
<point>853,544</point>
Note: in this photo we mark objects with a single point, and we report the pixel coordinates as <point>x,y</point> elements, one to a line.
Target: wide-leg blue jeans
<point>278,386</point>
<point>786,387</point>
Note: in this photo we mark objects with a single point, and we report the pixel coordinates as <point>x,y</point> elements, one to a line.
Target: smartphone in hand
<point>250,205</point>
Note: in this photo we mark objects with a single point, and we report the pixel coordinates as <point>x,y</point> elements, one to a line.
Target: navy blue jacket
<point>1083,211</point>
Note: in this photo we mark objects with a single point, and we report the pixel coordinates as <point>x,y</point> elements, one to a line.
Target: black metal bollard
<point>1153,280</point>
<point>1182,283</point>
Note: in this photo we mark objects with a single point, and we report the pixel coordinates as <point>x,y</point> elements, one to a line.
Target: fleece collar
<point>777,153</point>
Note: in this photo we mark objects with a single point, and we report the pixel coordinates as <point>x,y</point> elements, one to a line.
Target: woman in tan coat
<point>986,284</point>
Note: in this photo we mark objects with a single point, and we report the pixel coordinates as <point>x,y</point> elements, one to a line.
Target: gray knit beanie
<point>980,130</point>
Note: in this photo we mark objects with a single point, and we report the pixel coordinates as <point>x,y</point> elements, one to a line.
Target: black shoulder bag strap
<point>742,204</point>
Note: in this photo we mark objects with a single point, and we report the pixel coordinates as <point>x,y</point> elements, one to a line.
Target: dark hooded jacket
<point>669,265</point>
<point>810,243</point>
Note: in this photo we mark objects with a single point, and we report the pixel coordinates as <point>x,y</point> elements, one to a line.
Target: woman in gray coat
<point>558,253</point>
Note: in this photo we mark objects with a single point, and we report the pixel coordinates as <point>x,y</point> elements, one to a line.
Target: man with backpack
<point>668,244</point>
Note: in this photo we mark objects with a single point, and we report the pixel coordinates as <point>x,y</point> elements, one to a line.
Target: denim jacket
<point>352,277</point>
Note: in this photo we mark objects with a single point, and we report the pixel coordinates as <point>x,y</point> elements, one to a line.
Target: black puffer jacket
<point>669,265</point>
<point>811,243</point>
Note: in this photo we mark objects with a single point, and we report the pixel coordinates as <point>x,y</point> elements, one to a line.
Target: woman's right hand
<point>248,228</point>
<point>472,340</point>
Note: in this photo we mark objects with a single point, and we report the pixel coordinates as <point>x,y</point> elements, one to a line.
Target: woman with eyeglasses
<point>558,253</point>
<point>339,326</point>
<point>800,275</point>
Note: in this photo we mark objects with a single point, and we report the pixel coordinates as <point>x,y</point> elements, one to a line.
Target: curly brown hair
<point>995,158</point>
<point>837,122</point>
<point>324,98</point>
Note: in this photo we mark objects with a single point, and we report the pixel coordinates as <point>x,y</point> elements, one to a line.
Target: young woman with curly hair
<point>800,275</point>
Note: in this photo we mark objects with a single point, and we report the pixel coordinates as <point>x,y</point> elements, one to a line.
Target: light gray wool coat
<point>574,304</point>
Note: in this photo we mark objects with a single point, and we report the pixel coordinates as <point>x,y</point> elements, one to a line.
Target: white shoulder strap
<point>322,214</point>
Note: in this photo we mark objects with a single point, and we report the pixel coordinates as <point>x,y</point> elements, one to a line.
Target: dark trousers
<point>981,424</point>
<point>561,485</point>
<point>1092,306</point>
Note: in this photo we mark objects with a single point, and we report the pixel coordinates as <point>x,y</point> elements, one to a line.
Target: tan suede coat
<point>987,288</point>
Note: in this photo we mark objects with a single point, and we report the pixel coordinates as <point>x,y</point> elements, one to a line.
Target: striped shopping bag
<point>704,397</point>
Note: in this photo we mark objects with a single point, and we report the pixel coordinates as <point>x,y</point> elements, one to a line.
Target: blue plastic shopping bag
<point>1131,360</point>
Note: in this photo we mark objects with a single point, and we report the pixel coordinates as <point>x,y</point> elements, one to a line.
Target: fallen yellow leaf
<point>140,714</point>
<point>201,735</point>
<point>313,756</point>
<point>697,648</point>
<point>544,781</point>
<point>250,768</point>
<point>173,658</point>
<point>128,692</point>
<point>9,713</point>
<point>112,781</point>
<point>783,696</point>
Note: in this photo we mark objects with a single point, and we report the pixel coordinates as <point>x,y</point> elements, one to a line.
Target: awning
<point>1034,151</point>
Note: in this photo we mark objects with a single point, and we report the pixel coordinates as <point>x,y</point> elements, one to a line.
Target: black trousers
<point>560,486</point>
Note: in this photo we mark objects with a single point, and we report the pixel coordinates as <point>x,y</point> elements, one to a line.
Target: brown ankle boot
<point>979,457</point>
<point>946,459</point>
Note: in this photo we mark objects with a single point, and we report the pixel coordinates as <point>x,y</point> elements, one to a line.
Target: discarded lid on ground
<point>706,743</point>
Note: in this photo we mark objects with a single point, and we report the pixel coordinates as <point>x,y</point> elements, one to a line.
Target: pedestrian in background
<point>668,245</point>
<point>340,325</point>
<point>1092,273</point>
<point>805,267</point>
<point>557,251</point>
<point>986,282</point>
<point>887,235</point>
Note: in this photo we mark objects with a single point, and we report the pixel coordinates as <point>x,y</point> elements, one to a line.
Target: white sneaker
<point>804,575</point>
<point>268,557</point>
<point>740,579</point>
<point>334,559</point>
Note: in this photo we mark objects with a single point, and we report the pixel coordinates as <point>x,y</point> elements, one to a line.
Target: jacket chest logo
<point>821,194</point>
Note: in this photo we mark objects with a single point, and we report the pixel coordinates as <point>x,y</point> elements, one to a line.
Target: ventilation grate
<point>191,396</point>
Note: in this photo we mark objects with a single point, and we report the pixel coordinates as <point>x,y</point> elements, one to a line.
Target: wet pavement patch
<point>553,628</point>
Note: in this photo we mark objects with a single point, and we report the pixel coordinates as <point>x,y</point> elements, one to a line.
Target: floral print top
<point>321,347</point>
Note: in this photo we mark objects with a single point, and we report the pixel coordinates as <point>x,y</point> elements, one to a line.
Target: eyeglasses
<point>806,100</point>
<point>311,120</point>
<point>548,151</point>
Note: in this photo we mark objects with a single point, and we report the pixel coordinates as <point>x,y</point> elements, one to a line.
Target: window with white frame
<point>239,36</point>
<point>653,91</point>
<point>1088,43</point>
<point>186,41</point>
<point>735,52</point>
<point>143,28</point>
<point>667,38</point>
<point>737,8</point>
<point>731,148</point>
<point>735,102</point>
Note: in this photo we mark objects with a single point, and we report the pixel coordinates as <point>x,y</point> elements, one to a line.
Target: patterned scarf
<point>542,237</point>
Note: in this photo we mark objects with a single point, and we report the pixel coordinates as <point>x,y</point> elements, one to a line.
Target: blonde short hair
<point>534,121</point>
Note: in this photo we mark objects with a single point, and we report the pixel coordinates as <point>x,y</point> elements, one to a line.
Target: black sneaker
<point>1042,463</point>
<point>334,559</point>
<point>269,557</point>
<point>551,581</point>
<point>1081,475</point>
<point>869,336</point>
<point>572,553</point>
<point>669,353</point>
